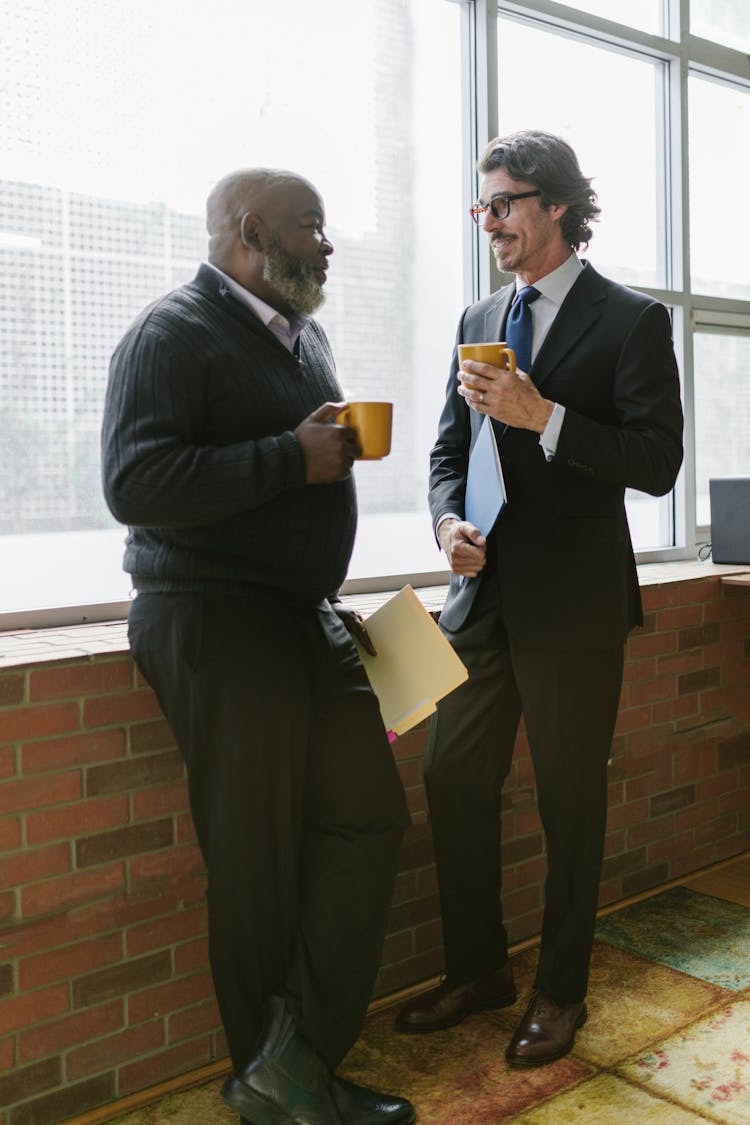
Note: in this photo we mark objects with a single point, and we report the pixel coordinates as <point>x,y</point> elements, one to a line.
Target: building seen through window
<point>116,120</point>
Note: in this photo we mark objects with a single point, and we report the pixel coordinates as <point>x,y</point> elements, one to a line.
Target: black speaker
<point>730,519</point>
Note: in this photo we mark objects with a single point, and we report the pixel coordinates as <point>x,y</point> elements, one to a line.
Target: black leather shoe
<point>286,1083</point>
<point>445,1007</point>
<point>359,1106</point>
<point>547,1031</point>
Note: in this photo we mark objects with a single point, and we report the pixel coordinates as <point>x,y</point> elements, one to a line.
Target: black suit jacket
<point>561,547</point>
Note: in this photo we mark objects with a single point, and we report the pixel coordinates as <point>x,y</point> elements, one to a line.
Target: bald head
<point>255,190</point>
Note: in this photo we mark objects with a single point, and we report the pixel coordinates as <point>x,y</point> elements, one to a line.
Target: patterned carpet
<point>667,1041</point>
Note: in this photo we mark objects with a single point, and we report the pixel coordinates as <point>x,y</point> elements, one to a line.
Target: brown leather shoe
<point>546,1032</point>
<point>445,1007</point>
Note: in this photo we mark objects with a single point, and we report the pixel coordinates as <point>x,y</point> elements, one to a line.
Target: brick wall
<point>104,985</point>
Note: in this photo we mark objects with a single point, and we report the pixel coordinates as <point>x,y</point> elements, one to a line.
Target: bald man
<point>221,452</point>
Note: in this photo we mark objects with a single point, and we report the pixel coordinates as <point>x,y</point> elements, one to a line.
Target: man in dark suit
<point>539,609</point>
<point>221,452</point>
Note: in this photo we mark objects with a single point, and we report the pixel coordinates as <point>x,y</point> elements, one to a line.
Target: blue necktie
<point>518,327</point>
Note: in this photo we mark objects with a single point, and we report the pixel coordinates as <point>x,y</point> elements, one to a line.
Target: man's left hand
<point>355,625</point>
<point>508,397</point>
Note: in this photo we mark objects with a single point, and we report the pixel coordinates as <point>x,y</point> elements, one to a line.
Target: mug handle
<point>511,359</point>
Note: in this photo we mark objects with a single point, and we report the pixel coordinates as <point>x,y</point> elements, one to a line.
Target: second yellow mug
<point>499,355</point>
<point>372,422</point>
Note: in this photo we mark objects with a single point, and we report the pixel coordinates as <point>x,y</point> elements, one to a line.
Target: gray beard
<point>292,278</point>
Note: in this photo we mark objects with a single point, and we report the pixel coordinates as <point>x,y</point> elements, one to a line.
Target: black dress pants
<point>569,699</point>
<point>297,803</point>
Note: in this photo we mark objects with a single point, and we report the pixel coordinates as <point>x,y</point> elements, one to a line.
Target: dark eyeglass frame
<point>479,210</point>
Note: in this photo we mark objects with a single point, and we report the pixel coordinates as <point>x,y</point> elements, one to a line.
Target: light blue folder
<point>485,487</point>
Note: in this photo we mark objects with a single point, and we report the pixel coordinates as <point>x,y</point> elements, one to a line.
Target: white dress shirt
<point>285,330</point>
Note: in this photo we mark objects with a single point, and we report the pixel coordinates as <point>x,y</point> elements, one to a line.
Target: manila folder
<point>415,665</point>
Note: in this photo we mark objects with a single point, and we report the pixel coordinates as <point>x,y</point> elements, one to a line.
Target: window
<point>116,119</point>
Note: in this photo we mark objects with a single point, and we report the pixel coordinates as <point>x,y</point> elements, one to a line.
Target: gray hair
<point>550,164</point>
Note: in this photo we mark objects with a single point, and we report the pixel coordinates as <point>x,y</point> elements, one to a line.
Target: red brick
<point>37,1077</point>
<point>67,1102</point>
<point>76,820</point>
<point>124,842</point>
<point>624,815</point>
<point>7,1053</point>
<point>33,1007</point>
<point>20,796</point>
<point>10,834</point>
<point>676,798</point>
<point>164,1065</point>
<point>147,737</point>
<point>150,871</point>
<point>69,961</point>
<point>654,644</point>
<point>12,688</point>
<point>652,830</point>
<point>191,956</point>
<point>715,786</point>
<point>159,933</point>
<point>673,710</point>
<point>685,819</point>
<point>127,977</point>
<point>193,1021</point>
<point>654,690</point>
<point>679,617</point>
<point>639,670</point>
<point>73,750</point>
<point>699,681</point>
<point>7,906</point>
<point>70,890</point>
<point>30,865</point>
<point>113,709</point>
<point>7,761</point>
<point>711,831</point>
<point>614,843</point>
<point>133,773</point>
<point>659,595</point>
<point>80,679</point>
<point>186,833</point>
<point>679,845</point>
<point>634,718</point>
<point>36,722</point>
<point>113,1049</point>
<point>700,590</point>
<point>53,1037</point>
<point>678,663</point>
<point>168,798</point>
<point>170,997</point>
<point>699,636</point>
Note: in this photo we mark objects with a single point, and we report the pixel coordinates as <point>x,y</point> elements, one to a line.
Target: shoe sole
<point>520,1063</point>
<point>485,1006</point>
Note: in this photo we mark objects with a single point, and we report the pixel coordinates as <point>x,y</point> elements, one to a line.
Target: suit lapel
<point>582,307</point>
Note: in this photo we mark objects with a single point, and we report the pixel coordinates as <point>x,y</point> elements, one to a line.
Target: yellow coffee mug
<point>372,422</point>
<point>499,355</point>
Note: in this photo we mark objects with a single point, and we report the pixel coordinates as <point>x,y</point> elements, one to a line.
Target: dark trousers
<point>569,700</point>
<point>297,804</point>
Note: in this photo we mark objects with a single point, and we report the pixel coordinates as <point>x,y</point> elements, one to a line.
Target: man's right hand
<point>329,449</point>
<point>464,545</point>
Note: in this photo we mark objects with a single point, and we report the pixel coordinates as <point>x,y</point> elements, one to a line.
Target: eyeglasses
<point>499,205</point>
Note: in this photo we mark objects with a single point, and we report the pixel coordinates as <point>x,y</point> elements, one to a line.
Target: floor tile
<point>704,936</point>
<point>605,1100</point>
<point>705,1067</point>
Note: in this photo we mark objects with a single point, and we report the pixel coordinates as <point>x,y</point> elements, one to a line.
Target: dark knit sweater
<point>200,460</point>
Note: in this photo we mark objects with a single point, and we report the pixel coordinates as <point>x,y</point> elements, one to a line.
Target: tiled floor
<point>667,1041</point>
